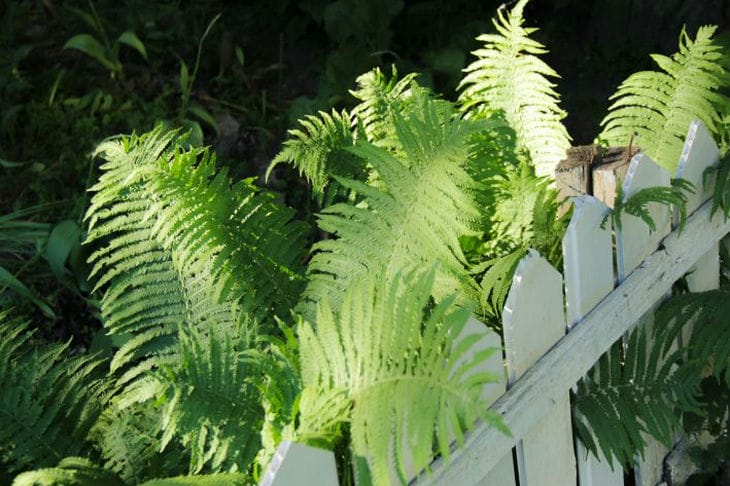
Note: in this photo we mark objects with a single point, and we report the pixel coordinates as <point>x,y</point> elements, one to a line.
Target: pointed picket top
<point>533,321</point>
<point>533,313</point>
<point>503,472</point>
<point>587,257</point>
<point>302,465</point>
<point>635,240</point>
<point>700,152</point>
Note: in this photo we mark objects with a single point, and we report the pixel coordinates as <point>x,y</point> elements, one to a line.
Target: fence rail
<point>557,326</point>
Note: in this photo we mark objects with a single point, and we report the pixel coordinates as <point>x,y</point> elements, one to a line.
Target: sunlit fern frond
<point>210,404</point>
<point>509,76</point>
<point>392,365</point>
<point>317,149</point>
<point>48,400</point>
<point>422,203</point>
<point>380,97</point>
<point>178,244</point>
<point>660,105</point>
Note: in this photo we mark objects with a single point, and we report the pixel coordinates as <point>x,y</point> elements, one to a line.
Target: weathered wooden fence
<point>557,326</point>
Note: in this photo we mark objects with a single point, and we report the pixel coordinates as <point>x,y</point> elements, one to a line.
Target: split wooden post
<point>533,322</point>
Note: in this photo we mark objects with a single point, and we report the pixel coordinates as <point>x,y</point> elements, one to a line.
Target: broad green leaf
<point>63,239</point>
<point>204,115</point>
<point>130,38</point>
<point>93,48</point>
<point>8,164</point>
<point>10,281</point>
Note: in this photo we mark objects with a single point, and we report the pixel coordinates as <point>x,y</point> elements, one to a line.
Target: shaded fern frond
<point>508,76</point>
<point>177,243</point>
<point>674,196</point>
<point>318,150</point>
<point>497,281</point>
<point>660,105</point>
<point>422,203</point>
<point>396,371</point>
<point>634,389</point>
<point>709,342</point>
<point>721,189</point>
<point>48,401</point>
<point>70,471</point>
<point>129,440</point>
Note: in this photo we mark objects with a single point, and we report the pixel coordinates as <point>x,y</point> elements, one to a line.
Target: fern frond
<point>318,150</point>
<point>71,471</point>
<point>129,439</point>
<point>720,176</point>
<point>380,98</point>
<point>660,105</point>
<point>710,338</point>
<point>634,389</point>
<point>209,402</point>
<point>177,243</point>
<point>509,76</point>
<point>674,196</point>
<point>48,402</point>
<point>393,369</point>
<point>422,203</point>
<point>222,479</point>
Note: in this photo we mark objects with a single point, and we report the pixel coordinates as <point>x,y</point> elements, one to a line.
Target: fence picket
<point>589,277</point>
<point>533,321</point>
<point>302,465</point>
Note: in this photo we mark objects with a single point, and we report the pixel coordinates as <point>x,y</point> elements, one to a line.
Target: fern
<point>178,244</point>
<point>49,401</point>
<point>209,403</point>
<point>414,216</point>
<point>70,471</point>
<point>634,389</point>
<point>380,98</point>
<point>128,437</point>
<point>637,204</point>
<point>508,76</point>
<point>660,105</point>
<point>394,371</point>
<point>78,471</point>
<point>720,176</point>
<point>318,151</point>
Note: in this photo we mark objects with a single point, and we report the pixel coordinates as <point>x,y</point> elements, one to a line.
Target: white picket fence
<point>556,327</point>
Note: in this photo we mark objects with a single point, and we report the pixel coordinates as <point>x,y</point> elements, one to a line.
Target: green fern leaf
<point>414,214</point>
<point>318,151</point>
<point>223,479</point>
<point>380,98</point>
<point>48,402</point>
<point>660,105</point>
<point>209,403</point>
<point>177,243</point>
<point>71,471</point>
<point>674,196</point>
<point>508,76</point>
<point>392,369</point>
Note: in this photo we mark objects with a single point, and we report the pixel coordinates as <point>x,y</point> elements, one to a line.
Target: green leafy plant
<point>659,105</point>
<point>403,389</point>
<point>509,77</point>
<point>673,197</point>
<point>101,48</point>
